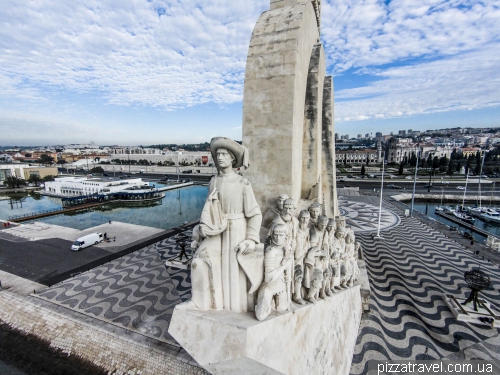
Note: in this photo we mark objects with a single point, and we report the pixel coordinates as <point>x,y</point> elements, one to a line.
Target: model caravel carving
<point>303,260</point>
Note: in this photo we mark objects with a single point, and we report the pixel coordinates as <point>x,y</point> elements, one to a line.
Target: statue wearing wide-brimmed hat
<point>227,268</point>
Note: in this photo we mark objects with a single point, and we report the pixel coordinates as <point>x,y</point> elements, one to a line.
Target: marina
<point>480,230</point>
<point>174,208</point>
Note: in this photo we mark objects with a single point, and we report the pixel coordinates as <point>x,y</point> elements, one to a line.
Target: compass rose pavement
<point>363,217</point>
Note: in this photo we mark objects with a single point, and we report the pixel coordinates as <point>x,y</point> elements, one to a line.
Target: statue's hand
<point>194,245</point>
<point>246,247</point>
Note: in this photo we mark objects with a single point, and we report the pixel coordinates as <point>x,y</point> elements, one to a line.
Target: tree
<point>61,161</point>
<point>363,171</point>
<point>97,170</point>
<point>435,162</point>
<point>413,159</point>
<point>49,178</point>
<point>14,182</point>
<point>450,168</point>
<point>443,161</point>
<point>401,169</point>
<point>35,179</point>
<point>46,159</point>
<point>429,161</point>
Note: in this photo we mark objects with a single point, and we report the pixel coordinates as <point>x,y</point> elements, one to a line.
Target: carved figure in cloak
<point>330,228</point>
<point>315,211</point>
<point>302,246</point>
<point>291,223</point>
<point>287,219</point>
<point>346,259</point>
<point>357,247</point>
<point>315,259</point>
<point>271,214</point>
<point>340,234</point>
<point>351,263</point>
<point>227,266</point>
<point>274,291</point>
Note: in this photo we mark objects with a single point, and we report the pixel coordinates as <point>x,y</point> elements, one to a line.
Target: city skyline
<point>148,72</point>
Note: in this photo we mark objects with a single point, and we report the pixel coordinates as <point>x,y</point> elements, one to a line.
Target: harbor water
<point>428,209</point>
<point>177,207</point>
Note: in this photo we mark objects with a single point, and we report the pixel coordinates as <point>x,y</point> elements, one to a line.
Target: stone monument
<point>288,305</point>
<point>266,308</point>
<point>288,108</point>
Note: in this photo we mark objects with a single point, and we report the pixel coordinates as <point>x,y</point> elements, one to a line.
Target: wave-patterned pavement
<point>135,292</point>
<point>409,271</point>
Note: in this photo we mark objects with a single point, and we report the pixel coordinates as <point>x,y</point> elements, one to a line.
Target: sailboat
<point>440,207</point>
<point>459,212</point>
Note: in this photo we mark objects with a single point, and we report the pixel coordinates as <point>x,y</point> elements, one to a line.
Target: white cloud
<point>361,33</point>
<point>169,54</point>
<point>465,81</point>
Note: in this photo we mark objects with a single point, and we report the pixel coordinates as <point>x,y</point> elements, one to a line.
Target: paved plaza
<point>408,271</point>
<point>134,292</point>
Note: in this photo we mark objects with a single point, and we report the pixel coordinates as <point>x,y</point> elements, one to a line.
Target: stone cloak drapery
<point>243,223</point>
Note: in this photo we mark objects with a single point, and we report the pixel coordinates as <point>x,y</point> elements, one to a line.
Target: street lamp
<point>414,185</point>
<point>378,236</point>
<point>128,156</point>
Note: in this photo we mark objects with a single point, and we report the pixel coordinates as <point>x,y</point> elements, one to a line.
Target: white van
<point>86,241</point>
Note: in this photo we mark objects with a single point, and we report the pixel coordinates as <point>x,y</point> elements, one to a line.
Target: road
<point>407,186</point>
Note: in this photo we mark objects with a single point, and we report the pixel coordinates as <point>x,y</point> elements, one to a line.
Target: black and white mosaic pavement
<point>136,291</point>
<point>363,217</point>
<point>409,271</point>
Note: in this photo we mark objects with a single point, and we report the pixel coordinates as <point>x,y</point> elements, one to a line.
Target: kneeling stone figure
<point>277,268</point>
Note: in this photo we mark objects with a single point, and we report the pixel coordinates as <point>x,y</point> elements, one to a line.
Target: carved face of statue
<point>340,233</point>
<point>304,220</point>
<point>281,200</point>
<point>279,237</point>
<point>288,210</point>
<point>314,211</point>
<point>330,227</point>
<point>224,158</point>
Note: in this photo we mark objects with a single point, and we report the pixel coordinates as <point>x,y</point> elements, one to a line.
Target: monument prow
<point>284,106</point>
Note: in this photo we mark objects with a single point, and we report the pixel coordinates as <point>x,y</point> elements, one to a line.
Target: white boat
<point>491,216</point>
<point>463,216</point>
<point>478,211</point>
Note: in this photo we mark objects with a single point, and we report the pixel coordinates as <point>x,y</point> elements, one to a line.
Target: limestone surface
<point>314,339</point>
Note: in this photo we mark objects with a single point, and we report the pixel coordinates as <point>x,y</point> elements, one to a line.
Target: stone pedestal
<point>465,313</point>
<point>314,339</point>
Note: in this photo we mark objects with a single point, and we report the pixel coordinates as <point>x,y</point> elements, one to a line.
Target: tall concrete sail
<point>288,107</point>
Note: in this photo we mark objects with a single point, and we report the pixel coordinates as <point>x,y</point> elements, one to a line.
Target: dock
<point>471,227</point>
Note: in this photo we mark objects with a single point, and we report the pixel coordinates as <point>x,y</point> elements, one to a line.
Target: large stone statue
<point>228,232</point>
<point>277,261</point>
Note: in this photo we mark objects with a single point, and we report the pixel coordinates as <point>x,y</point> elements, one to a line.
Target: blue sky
<point>170,71</point>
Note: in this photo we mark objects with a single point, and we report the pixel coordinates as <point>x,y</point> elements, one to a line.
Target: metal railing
<point>29,214</point>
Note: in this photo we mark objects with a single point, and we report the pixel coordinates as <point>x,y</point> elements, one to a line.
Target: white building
<point>77,186</point>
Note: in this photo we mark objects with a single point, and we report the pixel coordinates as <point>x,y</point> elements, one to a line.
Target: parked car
<point>428,186</point>
<point>396,187</point>
<point>186,180</point>
<point>460,188</point>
